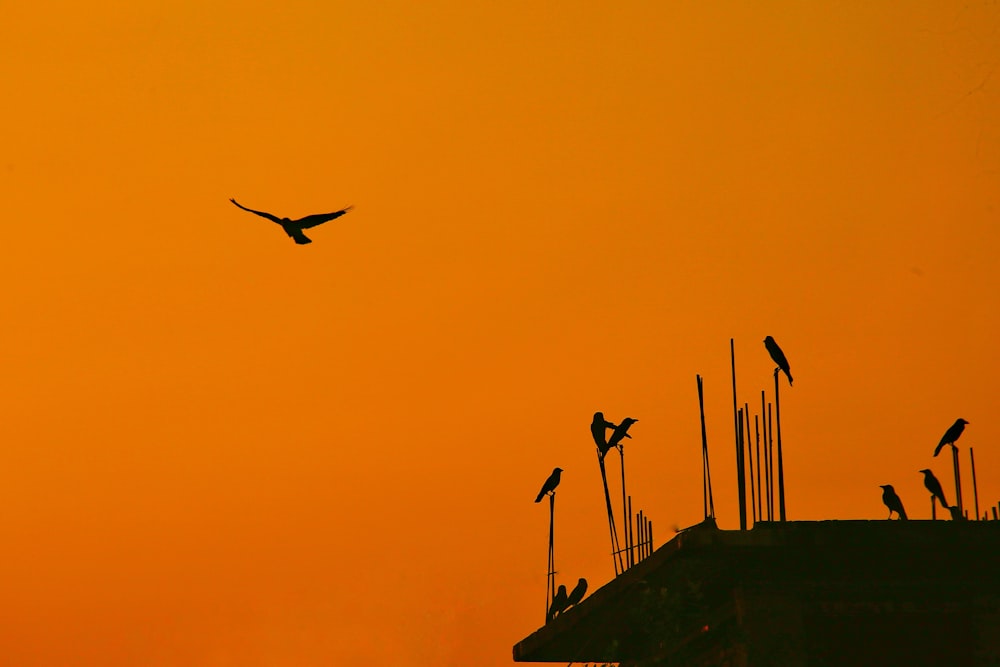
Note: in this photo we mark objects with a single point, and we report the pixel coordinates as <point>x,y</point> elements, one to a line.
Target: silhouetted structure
<point>934,486</point>
<point>951,435</point>
<point>577,593</point>
<point>550,484</point>
<point>794,594</point>
<point>892,501</point>
<point>779,357</point>
<point>558,602</point>
<point>294,227</point>
<point>956,514</point>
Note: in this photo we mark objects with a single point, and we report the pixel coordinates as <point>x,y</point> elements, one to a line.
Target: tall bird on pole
<point>294,227</point>
<point>779,358</point>
<point>550,484</point>
<point>892,501</point>
<point>598,429</point>
<point>934,486</point>
<point>951,435</point>
<point>620,432</point>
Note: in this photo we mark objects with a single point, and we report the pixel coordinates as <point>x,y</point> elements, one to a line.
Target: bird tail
<point>938,449</point>
<point>541,495</point>
<point>902,514</point>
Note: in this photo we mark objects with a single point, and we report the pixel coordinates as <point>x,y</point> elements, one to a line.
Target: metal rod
<point>975,490</point>
<point>749,454</point>
<point>550,580</point>
<point>760,490</point>
<point>958,478</point>
<point>640,527</point>
<point>615,552</point>
<point>933,507</point>
<point>706,472</point>
<point>740,481</point>
<point>770,463</point>
<point>994,509</point>
<point>625,512</point>
<point>651,537</point>
<point>629,540</point>
<point>781,466</point>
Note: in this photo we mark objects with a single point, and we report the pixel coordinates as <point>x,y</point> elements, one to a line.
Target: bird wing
<point>320,218</point>
<point>260,213</point>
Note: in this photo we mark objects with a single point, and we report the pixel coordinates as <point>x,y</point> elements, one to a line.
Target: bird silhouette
<point>892,501</point>
<point>951,435</point>
<point>621,431</point>
<point>598,429</point>
<point>577,593</point>
<point>934,486</point>
<point>294,227</point>
<point>558,602</point>
<point>550,484</point>
<point>779,358</point>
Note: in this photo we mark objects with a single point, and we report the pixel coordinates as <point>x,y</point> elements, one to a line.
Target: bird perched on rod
<point>779,358</point>
<point>951,435</point>
<point>621,431</point>
<point>577,593</point>
<point>934,486</point>
<point>892,501</point>
<point>550,484</point>
<point>598,429</point>
<point>558,602</point>
<point>294,227</point>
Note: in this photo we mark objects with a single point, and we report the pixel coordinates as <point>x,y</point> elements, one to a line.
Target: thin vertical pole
<point>550,581</point>
<point>933,507</point>
<point>615,550</point>
<point>640,527</point>
<point>749,452</point>
<point>958,478</point>
<point>650,533</point>
<point>781,466</point>
<point>630,540</point>
<point>975,490</point>
<point>625,516</point>
<point>760,489</point>
<point>740,481</point>
<point>770,461</point>
<point>767,455</point>
<point>706,472</point>
<point>994,510</point>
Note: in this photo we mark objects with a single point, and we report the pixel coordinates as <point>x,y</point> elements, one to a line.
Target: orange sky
<point>220,448</point>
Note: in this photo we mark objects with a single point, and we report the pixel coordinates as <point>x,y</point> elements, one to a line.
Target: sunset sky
<point>221,448</point>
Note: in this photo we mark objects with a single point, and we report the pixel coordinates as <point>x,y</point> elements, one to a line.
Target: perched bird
<point>779,357</point>
<point>577,593</point>
<point>294,227</point>
<point>892,501</point>
<point>558,602</point>
<point>550,484</point>
<point>951,435</point>
<point>620,432</point>
<point>934,486</point>
<point>598,429</point>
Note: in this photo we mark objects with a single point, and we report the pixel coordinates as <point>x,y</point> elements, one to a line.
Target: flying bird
<point>577,593</point>
<point>934,486</point>
<point>892,501</point>
<point>294,227</point>
<point>558,602</point>
<point>621,431</point>
<point>779,357</point>
<point>951,435</point>
<point>550,484</point>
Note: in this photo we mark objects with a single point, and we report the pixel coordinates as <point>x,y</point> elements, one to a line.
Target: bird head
<point>558,470</point>
<point>628,421</point>
<point>886,486</point>
<point>926,471</point>
<point>768,339</point>
<point>961,421</point>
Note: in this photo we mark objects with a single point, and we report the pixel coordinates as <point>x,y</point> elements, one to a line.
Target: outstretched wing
<point>260,213</point>
<point>320,218</point>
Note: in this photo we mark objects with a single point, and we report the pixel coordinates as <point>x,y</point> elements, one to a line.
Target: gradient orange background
<point>220,448</point>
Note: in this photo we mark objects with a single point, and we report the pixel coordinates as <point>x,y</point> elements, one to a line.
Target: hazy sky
<point>221,448</point>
